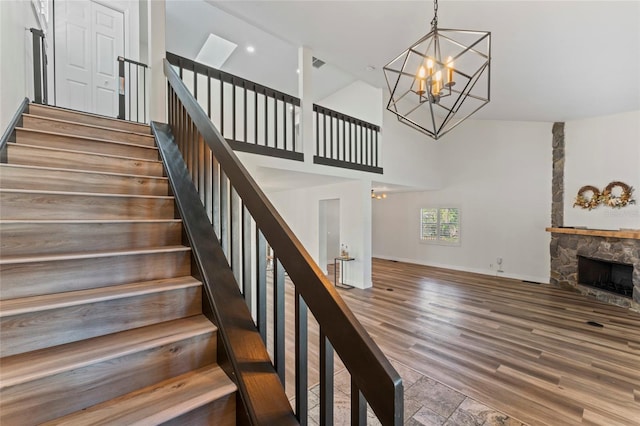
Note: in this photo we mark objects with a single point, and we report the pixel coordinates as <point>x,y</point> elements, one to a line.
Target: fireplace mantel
<point>630,234</point>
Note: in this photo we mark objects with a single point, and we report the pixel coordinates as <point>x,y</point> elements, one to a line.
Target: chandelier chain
<point>434,21</point>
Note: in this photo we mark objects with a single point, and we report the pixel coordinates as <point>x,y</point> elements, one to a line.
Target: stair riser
<point>32,156</point>
<point>85,145</point>
<point>61,114</point>
<point>52,238</point>
<point>221,412</point>
<point>38,123</point>
<point>23,333</point>
<point>60,180</point>
<point>35,278</point>
<point>55,396</point>
<point>77,207</point>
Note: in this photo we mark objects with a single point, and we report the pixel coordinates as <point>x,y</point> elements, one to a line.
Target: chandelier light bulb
<point>430,66</point>
<point>450,81</point>
<point>437,84</point>
<point>422,73</point>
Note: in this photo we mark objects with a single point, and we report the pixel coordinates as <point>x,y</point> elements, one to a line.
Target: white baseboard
<point>522,277</point>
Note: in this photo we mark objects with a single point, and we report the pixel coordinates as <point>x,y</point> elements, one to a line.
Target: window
<point>440,225</point>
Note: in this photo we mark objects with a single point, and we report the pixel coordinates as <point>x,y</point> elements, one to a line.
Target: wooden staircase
<point>100,319</point>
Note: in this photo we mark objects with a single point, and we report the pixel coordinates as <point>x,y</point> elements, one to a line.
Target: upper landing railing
<point>40,61</point>
<point>132,90</point>
<point>347,142</point>
<point>257,119</point>
<point>251,117</point>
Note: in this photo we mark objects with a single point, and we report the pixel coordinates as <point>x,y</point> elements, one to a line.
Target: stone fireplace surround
<point>569,243</point>
<point>611,246</point>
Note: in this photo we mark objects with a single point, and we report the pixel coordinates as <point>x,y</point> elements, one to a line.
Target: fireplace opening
<point>610,276</point>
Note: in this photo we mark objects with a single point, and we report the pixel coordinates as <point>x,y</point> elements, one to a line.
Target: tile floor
<point>426,403</point>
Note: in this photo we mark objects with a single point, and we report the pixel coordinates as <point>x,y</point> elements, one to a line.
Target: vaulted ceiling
<point>551,60</point>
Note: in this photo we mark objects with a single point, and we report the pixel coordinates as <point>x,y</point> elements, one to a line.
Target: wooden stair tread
<point>80,221</point>
<point>80,297</point>
<point>34,108</point>
<point>72,151</point>
<point>72,179</point>
<point>34,365</point>
<point>157,403</point>
<point>13,260</point>
<point>60,169</point>
<point>83,194</point>
<point>70,136</point>
<point>93,126</point>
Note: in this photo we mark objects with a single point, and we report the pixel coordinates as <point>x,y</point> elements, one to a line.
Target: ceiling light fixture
<point>378,196</point>
<point>251,49</point>
<point>440,80</point>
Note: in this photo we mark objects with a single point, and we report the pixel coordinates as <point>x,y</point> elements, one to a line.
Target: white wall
<point>598,151</point>
<point>329,232</point>
<point>300,208</point>
<point>409,157</point>
<point>143,18</point>
<point>499,175</point>
<point>156,38</point>
<point>359,100</point>
<point>16,66</point>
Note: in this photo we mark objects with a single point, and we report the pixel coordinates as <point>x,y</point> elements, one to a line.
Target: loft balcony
<point>260,120</point>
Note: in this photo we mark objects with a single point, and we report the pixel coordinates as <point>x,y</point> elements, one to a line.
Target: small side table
<point>341,283</point>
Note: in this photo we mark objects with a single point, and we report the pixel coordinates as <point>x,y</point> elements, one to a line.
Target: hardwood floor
<point>523,349</point>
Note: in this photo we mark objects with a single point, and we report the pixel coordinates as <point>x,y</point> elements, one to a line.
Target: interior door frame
<point>128,37</point>
<point>324,260</point>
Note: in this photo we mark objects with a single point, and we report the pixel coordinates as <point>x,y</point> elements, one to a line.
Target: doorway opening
<point>329,215</point>
<point>89,37</point>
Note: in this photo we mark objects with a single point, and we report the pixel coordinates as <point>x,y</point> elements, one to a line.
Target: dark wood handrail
<point>370,370</point>
<point>194,66</point>
<point>341,116</point>
<point>124,90</point>
<point>9,132</point>
<point>40,82</point>
<point>247,360</point>
<point>131,61</point>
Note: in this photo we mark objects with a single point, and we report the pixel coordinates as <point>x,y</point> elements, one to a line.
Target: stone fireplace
<point>610,259</point>
<point>598,263</point>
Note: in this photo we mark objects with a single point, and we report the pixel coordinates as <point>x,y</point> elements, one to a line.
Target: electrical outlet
<point>491,266</point>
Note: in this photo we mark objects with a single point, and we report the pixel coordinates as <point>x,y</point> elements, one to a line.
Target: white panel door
<point>89,38</point>
<point>72,55</point>
<point>108,44</point>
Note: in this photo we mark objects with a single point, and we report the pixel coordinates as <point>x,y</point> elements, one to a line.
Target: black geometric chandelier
<point>440,80</point>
